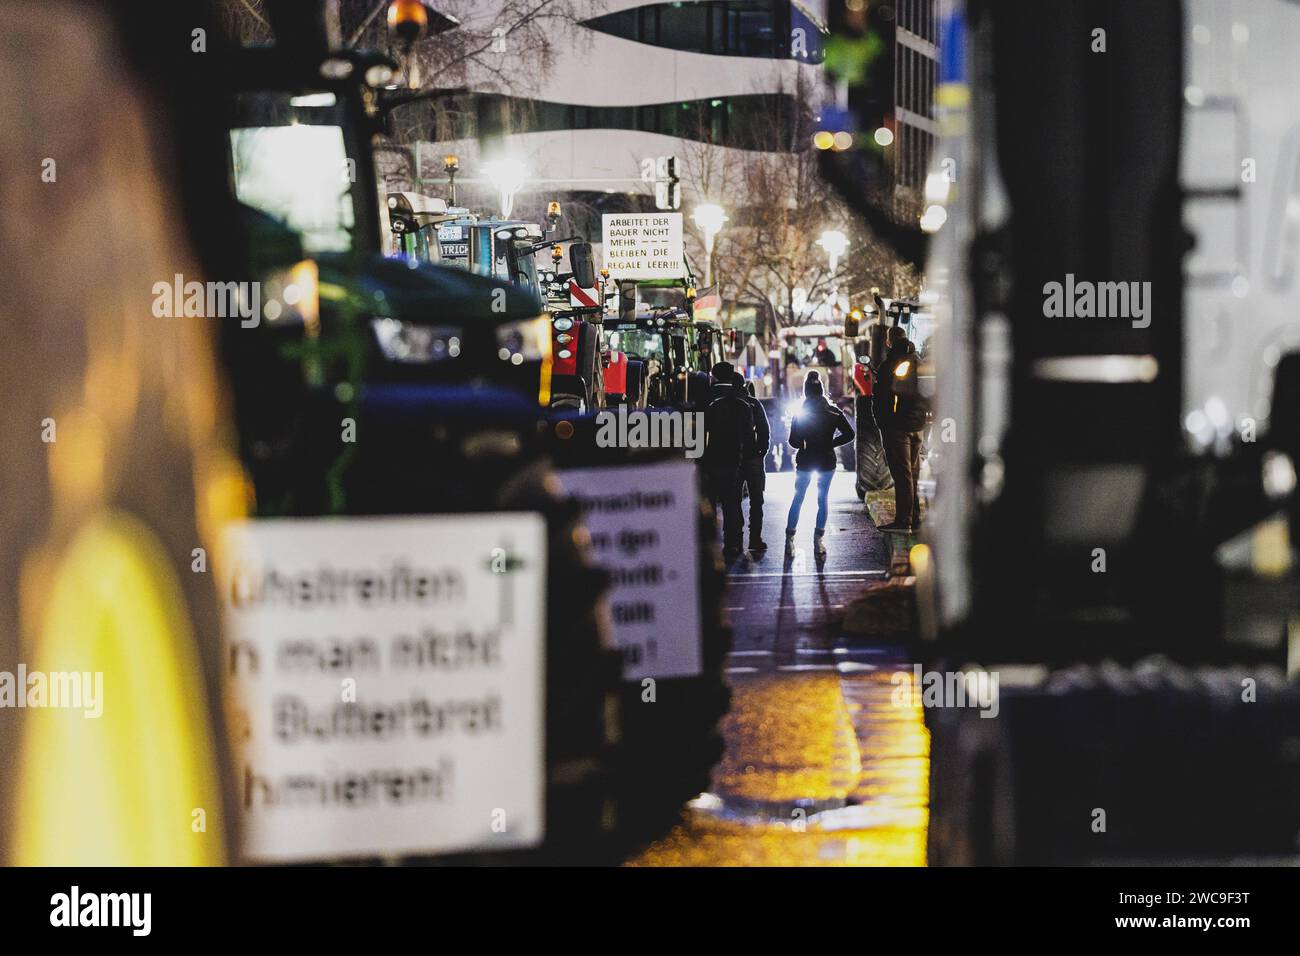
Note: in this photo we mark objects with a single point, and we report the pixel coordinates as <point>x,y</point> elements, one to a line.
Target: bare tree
<point>246,21</point>
<point>778,207</point>
<point>494,46</point>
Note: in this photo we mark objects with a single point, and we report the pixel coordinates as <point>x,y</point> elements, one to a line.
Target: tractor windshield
<point>290,161</point>
<point>638,344</point>
<point>813,352</point>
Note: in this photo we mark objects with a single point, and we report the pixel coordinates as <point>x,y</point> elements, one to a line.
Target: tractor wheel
<point>583,677</point>
<point>848,456</point>
<point>635,383</point>
<point>670,746</point>
<point>872,468</point>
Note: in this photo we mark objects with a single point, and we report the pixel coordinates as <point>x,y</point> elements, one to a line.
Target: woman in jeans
<point>817,430</point>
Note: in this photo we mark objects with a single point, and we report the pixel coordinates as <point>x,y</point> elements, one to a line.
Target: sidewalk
<point>821,768</point>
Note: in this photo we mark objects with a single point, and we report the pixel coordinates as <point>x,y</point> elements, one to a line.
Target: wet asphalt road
<point>821,766</point>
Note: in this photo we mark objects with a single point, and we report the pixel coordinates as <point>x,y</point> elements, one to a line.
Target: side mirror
<point>627,301</point>
<point>584,264</point>
<point>521,249</point>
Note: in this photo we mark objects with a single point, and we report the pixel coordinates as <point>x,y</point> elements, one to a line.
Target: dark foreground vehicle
<point>1099,550</point>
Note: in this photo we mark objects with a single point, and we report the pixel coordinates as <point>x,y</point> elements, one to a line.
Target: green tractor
<point>669,352</point>
<point>427,230</point>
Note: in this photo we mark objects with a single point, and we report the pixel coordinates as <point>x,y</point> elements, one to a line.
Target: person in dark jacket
<point>752,473</point>
<point>728,444</point>
<point>902,427</point>
<point>817,429</point>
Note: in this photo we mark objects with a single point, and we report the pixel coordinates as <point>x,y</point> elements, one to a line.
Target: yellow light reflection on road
<point>806,748</point>
<point>816,740</point>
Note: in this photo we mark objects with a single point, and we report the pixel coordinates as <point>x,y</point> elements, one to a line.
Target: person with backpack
<point>728,444</point>
<point>901,410</point>
<point>816,430</point>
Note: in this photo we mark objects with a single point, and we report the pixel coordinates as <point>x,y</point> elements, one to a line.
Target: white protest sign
<point>643,245</point>
<point>390,675</point>
<point>644,529</point>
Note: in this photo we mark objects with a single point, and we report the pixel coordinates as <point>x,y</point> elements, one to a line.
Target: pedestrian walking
<point>904,412</point>
<point>728,444</point>
<point>816,430</point>
<point>753,475</point>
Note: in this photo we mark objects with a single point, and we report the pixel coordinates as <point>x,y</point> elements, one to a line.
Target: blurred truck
<point>1111,537</point>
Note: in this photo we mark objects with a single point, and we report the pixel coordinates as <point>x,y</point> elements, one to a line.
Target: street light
<point>708,218</point>
<point>451,165</point>
<point>836,244</point>
<point>506,177</point>
<point>408,20</point>
<point>933,218</point>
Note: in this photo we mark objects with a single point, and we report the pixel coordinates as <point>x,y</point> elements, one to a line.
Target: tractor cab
<point>343,329</point>
<point>500,248</point>
<point>416,228</point>
<point>820,347</point>
<point>658,348</point>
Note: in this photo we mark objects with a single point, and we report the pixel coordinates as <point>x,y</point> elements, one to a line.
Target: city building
<point>916,68</point>
<point>631,82</point>
<point>883,71</point>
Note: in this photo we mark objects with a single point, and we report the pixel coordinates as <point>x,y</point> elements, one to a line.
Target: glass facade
<point>912,155</point>
<point>918,17</point>
<point>763,121</point>
<point>914,75</point>
<point>775,29</point>
<point>766,121</point>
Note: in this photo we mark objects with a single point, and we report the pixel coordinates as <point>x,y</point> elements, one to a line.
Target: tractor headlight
<point>416,344</point>
<point>530,339</point>
<point>292,295</point>
<point>563,325</point>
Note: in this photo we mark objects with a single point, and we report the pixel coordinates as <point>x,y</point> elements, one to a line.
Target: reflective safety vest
<point>904,373</point>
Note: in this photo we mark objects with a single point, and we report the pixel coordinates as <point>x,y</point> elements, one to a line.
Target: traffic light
<point>492,112</point>
<point>668,190</point>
